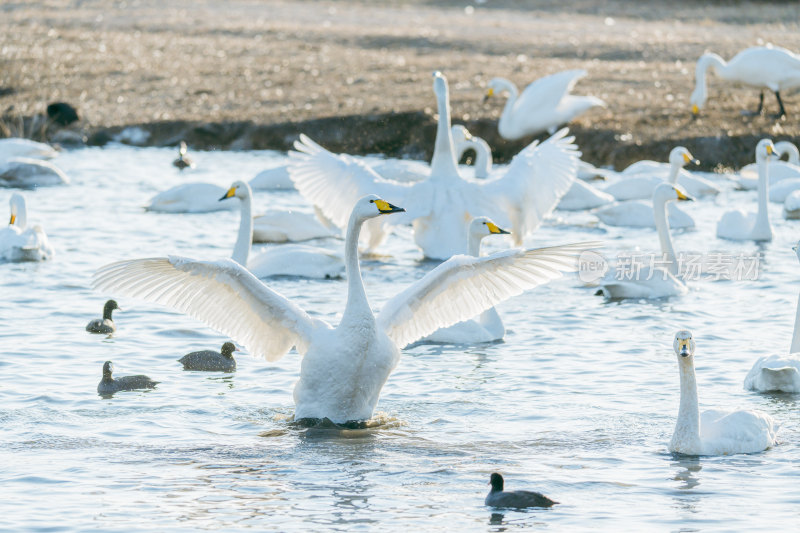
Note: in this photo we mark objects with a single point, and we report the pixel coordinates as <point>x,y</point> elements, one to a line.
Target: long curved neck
<point>357,302</point>
<point>762,229</point>
<point>664,238</point>
<point>796,335</point>
<point>687,428</point>
<point>474,244</point>
<point>443,162</point>
<point>242,247</point>
<point>21,215</point>
<point>508,110</point>
<point>674,171</point>
<point>705,62</point>
<point>483,157</point>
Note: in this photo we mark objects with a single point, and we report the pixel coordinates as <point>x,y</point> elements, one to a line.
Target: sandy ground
<point>252,74</point>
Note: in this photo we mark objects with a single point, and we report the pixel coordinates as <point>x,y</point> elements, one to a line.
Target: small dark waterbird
<point>183,162</point>
<point>518,499</point>
<point>211,361</point>
<point>108,385</point>
<point>104,325</point>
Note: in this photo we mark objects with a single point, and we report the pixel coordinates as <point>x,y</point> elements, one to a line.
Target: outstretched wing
<point>536,180</point>
<point>222,294</point>
<point>464,286</point>
<point>547,92</point>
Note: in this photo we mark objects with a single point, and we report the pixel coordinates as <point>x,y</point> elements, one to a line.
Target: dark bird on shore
<point>183,161</point>
<point>109,385</point>
<point>211,361</point>
<point>104,325</point>
<point>518,499</point>
<point>62,113</point>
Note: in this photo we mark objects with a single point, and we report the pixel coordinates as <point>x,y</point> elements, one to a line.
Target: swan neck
<point>664,238</point>
<point>674,172</point>
<point>483,158</point>
<point>474,245</point>
<point>357,301</point>
<point>241,250</point>
<point>508,110</point>
<point>687,427</point>
<point>443,162</point>
<point>21,220</point>
<point>705,62</point>
<point>762,229</point>
<point>796,335</point>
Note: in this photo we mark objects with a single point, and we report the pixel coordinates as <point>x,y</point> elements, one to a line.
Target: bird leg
<point>760,107</point>
<point>782,113</point>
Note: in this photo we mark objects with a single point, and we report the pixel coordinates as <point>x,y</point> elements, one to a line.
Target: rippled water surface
<point>579,402</point>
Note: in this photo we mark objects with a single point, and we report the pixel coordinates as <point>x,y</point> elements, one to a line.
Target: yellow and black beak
<point>385,207</point>
<point>770,149</point>
<point>687,158</point>
<point>495,230</point>
<point>683,348</point>
<point>489,94</point>
<point>230,194</point>
<point>13,218</point>
<point>695,110</point>
<point>683,197</point>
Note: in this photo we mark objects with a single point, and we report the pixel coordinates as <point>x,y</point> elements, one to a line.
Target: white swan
<point>18,242</point>
<point>18,147</point>
<point>651,280</point>
<point>190,198</point>
<point>488,327</point>
<point>778,170</point>
<point>738,225</point>
<point>640,179</point>
<point>779,372</point>
<point>282,225</point>
<point>276,178</point>
<point>714,432</point>
<point>582,196</point>
<point>544,104</point>
<point>29,173</point>
<point>463,140</point>
<point>791,206</point>
<point>529,190</point>
<point>285,260</point>
<point>343,368</point>
<point>765,67</point>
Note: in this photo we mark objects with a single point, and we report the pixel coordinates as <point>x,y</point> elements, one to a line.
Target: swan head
<point>764,149</point>
<point>483,226</point>
<point>227,350</point>
<point>496,481</point>
<point>439,84</point>
<point>684,344</point>
<point>371,206</point>
<point>681,156</point>
<point>108,368</point>
<point>667,192</point>
<point>460,133</point>
<point>17,206</point>
<point>239,189</point>
<point>495,86</point>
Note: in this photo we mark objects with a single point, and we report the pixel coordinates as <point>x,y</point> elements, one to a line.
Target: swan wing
<point>547,92</point>
<point>536,180</point>
<point>464,286</point>
<point>222,294</point>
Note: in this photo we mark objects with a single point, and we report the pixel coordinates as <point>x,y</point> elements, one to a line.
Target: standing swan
<point>765,67</point>
<point>18,242</point>
<point>740,226</point>
<point>779,372</point>
<point>714,432</point>
<point>285,260</point>
<point>650,281</point>
<point>543,105</point>
<point>534,182</point>
<point>343,368</point>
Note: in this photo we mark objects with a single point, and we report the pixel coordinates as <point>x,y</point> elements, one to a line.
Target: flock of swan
<point>344,366</point>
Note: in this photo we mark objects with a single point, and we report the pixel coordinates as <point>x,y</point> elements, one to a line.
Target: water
<point>579,402</point>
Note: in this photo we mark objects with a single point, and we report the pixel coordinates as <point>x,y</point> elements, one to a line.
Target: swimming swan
<point>285,260</point>
<point>778,170</point>
<point>651,281</point>
<point>765,67</point>
<point>29,173</point>
<point>344,368</point>
<point>18,147</point>
<point>190,198</point>
<point>779,372</point>
<point>282,225</point>
<point>543,105</point>
<point>714,432</point>
<point>740,226</point>
<point>529,190</point>
<point>791,206</point>
<point>18,242</point>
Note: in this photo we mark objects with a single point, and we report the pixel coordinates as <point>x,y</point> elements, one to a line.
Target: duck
<point>343,368</point>
<point>527,192</point>
<point>30,173</point>
<point>19,147</point>
<point>106,324</point>
<point>651,281</point>
<point>488,327</point>
<point>18,242</point>
<point>283,225</point>
<point>286,260</point>
<point>779,372</point>
<point>517,499</point>
<point>189,198</point>
<point>182,162</point>
<point>766,67</point>
<point>740,226</point>
<point>211,361</point>
<point>779,170</point>
<point>714,432</point>
<point>543,105</point>
<point>108,385</point>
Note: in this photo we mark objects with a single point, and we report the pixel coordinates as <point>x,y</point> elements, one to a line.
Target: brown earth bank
<point>356,75</point>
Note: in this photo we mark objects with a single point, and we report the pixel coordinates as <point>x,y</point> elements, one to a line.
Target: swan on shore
<point>18,242</point>
<point>343,368</point>
<point>715,432</point>
<point>766,67</point>
<point>544,105</point>
<point>527,192</point>
<point>739,225</point>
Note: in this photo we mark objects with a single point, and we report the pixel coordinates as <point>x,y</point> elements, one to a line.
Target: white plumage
<point>190,198</point>
<point>740,225</point>
<point>18,242</point>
